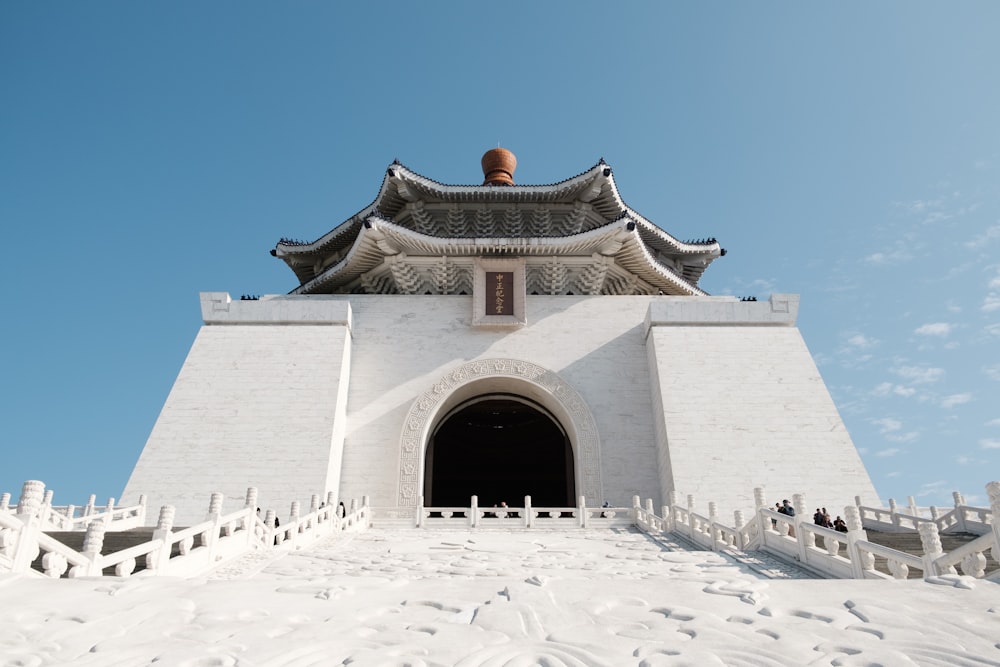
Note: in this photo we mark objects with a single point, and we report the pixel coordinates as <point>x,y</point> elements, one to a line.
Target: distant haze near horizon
<point>846,153</point>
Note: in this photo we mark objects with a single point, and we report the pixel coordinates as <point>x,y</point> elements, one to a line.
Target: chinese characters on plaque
<point>499,293</point>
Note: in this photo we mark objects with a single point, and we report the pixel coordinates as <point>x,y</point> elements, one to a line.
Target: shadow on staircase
<point>909,542</point>
<point>113,542</point>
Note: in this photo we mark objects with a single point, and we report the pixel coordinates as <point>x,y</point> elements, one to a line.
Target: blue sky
<point>848,152</point>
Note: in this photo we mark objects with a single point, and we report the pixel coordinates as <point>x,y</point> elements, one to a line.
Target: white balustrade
<point>199,548</point>
<point>188,552</point>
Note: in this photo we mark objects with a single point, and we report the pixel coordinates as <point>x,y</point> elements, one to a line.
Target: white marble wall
<point>403,345</point>
<point>264,398</point>
<point>743,405</point>
<point>254,405</point>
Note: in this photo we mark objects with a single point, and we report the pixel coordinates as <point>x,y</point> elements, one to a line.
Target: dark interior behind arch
<point>499,447</point>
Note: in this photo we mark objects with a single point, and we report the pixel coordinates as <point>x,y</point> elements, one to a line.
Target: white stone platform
<point>496,597</point>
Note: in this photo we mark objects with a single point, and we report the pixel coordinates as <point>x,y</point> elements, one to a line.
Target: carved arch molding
<point>521,377</point>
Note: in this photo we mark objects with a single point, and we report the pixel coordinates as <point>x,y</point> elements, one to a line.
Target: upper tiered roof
<point>420,236</point>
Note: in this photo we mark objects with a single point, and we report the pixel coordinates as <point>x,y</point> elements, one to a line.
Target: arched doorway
<point>499,447</point>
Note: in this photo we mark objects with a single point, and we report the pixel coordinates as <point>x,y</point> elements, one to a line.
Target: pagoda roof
<point>415,216</point>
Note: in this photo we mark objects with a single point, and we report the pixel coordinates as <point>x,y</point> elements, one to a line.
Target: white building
<point>499,340</point>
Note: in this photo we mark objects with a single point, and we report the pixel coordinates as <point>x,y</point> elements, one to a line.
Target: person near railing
<point>788,510</point>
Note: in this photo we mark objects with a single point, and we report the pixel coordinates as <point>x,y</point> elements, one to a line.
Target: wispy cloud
<point>955,399</point>
<point>887,424</point>
<point>993,422</point>
<point>892,451</point>
<point>992,372</point>
<point>991,301</point>
<point>923,208</point>
<point>919,374</point>
<point>931,487</point>
<point>887,388</point>
<point>861,341</point>
<point>892,256</point>
<point>989,443</point>
<point>941,329</point>
<point>989,235</point>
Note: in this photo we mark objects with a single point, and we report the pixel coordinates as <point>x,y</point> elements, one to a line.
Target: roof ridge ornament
<point>498,167</point>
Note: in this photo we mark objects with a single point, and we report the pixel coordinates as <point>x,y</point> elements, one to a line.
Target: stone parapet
<point>220,308</point>
<point>781,310</point>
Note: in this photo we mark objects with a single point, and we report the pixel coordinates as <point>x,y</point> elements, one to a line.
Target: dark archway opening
<point>500,448</point>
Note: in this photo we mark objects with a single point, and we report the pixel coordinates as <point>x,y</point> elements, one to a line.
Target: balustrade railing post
<point>581,512</point>
<point>930,541</point>
<point>418,520</point>
<point>668,519</point>
<point>739,524</point>
<point>636,508</point>
<point>313,507</point>
<point>91,505</point>
<point>993,493</point>
<point>529,514</point>
<point>474,512</point>
<point>141,513</point>
<point>293,521</point>
<point>45,511</point>
<point>713,515</point>
<point>649,511</point>
<point>760,503</point>
<point>959,510</point>
<point>26,548</point>
<point>5,502</point>
<point>210,536</point>
<point>250,503</point>
<point>855,533</point>
<point>912,506</point>
<point>109,513</point>
<point>158,561</point>
<point>272,537</point>
<point>93,543</point>
<point>690,515</point>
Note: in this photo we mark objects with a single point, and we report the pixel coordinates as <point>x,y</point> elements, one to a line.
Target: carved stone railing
<point>526,516</point>
<point>76,517</point>
<point>961,518</point>
<point>834,553</point>
<point>185,552</point>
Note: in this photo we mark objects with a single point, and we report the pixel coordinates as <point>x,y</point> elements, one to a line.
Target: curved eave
<point>401,185</point>
<point>380,237</point>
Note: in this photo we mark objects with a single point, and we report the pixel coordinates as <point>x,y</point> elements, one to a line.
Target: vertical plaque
<point>500,293</point>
